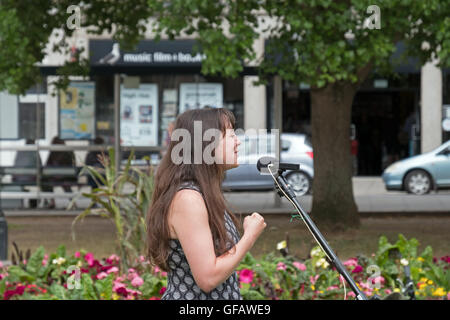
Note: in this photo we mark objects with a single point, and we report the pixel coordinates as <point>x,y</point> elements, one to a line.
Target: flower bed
<point>81,276</point>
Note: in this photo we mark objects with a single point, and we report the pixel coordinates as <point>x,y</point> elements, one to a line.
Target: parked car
<point>295,148</point>
<point>421,173</point>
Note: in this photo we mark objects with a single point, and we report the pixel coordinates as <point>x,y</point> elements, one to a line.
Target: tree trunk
<point>333,206</point>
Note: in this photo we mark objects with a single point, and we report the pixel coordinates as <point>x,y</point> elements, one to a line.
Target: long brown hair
<point>208,177</point>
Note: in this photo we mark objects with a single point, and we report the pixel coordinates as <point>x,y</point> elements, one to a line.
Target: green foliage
<point>315,42</point>
<point>270,277</point>
<point>123,197</point>
<point>26,28</point>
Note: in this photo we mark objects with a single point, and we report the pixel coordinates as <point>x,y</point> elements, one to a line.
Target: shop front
<point>127,102</point>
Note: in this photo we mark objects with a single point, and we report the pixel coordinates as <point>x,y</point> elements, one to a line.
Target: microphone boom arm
<point>285,190</point>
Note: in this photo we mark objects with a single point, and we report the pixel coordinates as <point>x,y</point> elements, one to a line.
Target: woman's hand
<point>254,226</point>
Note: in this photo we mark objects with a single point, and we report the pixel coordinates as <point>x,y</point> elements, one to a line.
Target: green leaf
<point>18,274</point>
<point>35,262</point>
<point>59,291</point>
<point>88,287</point>
<point>2,287</point>
<point>104,287</point>
<point>61,251</point>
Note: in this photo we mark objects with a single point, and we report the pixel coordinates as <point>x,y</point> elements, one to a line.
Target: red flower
<point>122,291</point>
<point>105,268</point>
<point>357,269</point>
<point>163,289</point>
<point>9,293</point>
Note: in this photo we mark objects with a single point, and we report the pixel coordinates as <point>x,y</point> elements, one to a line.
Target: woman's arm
<point>189,218</point>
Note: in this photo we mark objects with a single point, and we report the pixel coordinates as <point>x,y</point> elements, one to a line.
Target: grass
<point>97,235</point>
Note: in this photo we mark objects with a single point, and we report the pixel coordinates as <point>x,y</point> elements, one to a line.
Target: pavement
<point>370,195</point>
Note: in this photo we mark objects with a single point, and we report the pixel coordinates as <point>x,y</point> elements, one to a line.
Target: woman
<point>191,232</point>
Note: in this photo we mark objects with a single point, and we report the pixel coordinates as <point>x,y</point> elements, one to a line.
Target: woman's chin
<point>231,166</point>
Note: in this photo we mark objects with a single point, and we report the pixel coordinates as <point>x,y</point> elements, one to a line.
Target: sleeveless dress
<point>180,281</point>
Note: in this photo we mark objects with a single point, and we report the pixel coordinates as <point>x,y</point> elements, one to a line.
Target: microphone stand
<point>318,236</point>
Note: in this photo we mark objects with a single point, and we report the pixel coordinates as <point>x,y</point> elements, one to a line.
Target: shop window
<point>19,120</point>
<point>28,125</point>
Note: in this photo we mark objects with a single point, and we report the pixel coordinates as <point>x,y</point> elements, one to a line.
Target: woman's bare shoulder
<point>186,204</point>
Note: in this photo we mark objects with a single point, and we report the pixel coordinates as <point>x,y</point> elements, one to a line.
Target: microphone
<point>263,163</point>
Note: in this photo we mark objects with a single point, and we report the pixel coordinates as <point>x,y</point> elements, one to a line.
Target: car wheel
<point>418,182</point>
<point>299,182</point>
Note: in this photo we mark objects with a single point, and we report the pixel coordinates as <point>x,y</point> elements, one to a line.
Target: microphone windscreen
<point>263,162</point>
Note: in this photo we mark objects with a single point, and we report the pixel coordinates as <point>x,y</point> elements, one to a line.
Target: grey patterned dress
<point>180,281</point>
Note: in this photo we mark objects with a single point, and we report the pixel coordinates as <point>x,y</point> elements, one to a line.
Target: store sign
<point>77,111</point>
<point>147,53</point>
<point>139,115</point>
<point>199,95</point>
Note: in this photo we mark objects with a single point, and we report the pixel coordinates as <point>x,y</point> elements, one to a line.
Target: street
<point>369,192</point>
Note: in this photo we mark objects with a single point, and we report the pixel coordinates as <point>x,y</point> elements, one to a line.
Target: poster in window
<point>139,115</point>
<point>199,95</point>
<point>77,110</point>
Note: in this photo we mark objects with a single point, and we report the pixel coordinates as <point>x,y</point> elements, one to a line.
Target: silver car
<point>295,148</point>
<point>421,173</point>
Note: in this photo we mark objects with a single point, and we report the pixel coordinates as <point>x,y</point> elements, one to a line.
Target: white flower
<point>59,261</point>
<point>322,263</point>
<point>404,262</point>
<point>315,252</point>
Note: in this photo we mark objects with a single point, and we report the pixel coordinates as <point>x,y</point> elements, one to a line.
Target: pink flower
<point>131,270</point>
<point>357,269</point>
<point>131,276</point>
<point>299,266</point>
<point>142,259</point>
<point>102,275</point>
<point>332,288</point>
<point>164,274</point>
<point>352,262</point>
<point>137,282</point>
<point>281,266</point>
<point>154,298</point>
<point>77,254</point>
<point>313,279</point>
<point>89,258</point>
<point>379,280</point>
<point>157,269</point>
<point>388,291</point>
<point>113,269</point>
<point>1,264</point>
<point>365,285</point>
<point>45,260</point>
<point>246,276</point>
<point>351,294</point>
<point>113,259</point>
<point>448,296</point>
<point>163,289</point>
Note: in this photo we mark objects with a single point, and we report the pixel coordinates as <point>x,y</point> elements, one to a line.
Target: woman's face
<point>227,150</point>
